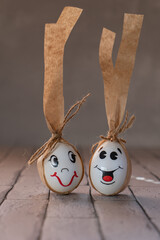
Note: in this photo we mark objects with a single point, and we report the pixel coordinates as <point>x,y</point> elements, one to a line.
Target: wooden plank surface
<point>12,165</point>
<point>141,176</point>
<point>29,186</point>
<point>75,205</point>
<point>29,211</point>
<point>21,219</point>
<point>3,191</point>
<point>149,160</point>
<point>124,220</point>
<point>68,228</point>
<point>23,208</point>
<point>149,199</point>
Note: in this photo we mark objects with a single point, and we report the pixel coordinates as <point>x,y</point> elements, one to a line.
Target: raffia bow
<point>57,135</point>
<point>114,134</point>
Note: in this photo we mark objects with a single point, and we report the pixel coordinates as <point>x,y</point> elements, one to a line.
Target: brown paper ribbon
<point>56,35</point>
<point>116,79</point>
<point>57,136</point>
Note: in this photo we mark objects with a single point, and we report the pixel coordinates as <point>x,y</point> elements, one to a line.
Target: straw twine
<point>113,134</point>
<point>57,135</point>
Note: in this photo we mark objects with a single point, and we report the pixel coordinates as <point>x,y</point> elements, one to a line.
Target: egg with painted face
<point>110,168</point>
<point>62,171</point>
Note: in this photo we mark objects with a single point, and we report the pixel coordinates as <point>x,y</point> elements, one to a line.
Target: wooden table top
<point>29,211</point>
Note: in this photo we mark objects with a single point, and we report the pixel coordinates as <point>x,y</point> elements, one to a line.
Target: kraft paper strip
<point>56,36</point>
<point>117,79</point>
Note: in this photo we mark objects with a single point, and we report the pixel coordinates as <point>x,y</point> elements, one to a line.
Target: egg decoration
<point>110,166</point>
<point>59,163</point>
<point>63,169</point>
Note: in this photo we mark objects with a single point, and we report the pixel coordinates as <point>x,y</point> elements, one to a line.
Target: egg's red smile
<point>108,176</point>
<point>59,180</point>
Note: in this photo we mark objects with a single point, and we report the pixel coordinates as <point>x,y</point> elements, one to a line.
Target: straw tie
<point>56,137</point>
<point>113,134</point>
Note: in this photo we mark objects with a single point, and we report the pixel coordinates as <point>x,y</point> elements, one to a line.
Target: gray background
<point>21,76</point>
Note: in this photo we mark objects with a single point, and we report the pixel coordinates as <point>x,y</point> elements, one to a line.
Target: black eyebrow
<point>119,150</point>
<point>100,148</point>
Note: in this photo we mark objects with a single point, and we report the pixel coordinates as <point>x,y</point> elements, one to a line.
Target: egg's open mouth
<point>59,180</point>
<point>107,176</point>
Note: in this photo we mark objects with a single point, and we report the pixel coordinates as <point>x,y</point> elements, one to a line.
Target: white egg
<point>62,170</point>
<point>110,168</point>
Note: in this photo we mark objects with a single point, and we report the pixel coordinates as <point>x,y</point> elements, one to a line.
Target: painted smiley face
<point>63,169</point>
<point>108,168</point>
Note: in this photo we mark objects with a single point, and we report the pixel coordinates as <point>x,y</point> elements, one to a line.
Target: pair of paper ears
<point>116,78</point>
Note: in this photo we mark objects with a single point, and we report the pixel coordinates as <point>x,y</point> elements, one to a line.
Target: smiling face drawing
<point>63,169</point>
<point>110,168</point>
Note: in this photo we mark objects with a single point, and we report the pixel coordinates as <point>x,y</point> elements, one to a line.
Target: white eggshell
<point>109,168</point>
<point>63,169</point>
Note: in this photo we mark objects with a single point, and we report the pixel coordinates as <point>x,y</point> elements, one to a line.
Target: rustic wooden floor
<point>28,211</point>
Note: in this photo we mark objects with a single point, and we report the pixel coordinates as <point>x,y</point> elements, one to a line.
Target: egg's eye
<point>54,161</point>
<point>102,154</point>
<point>114,155</point>
<point>72,156</point>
